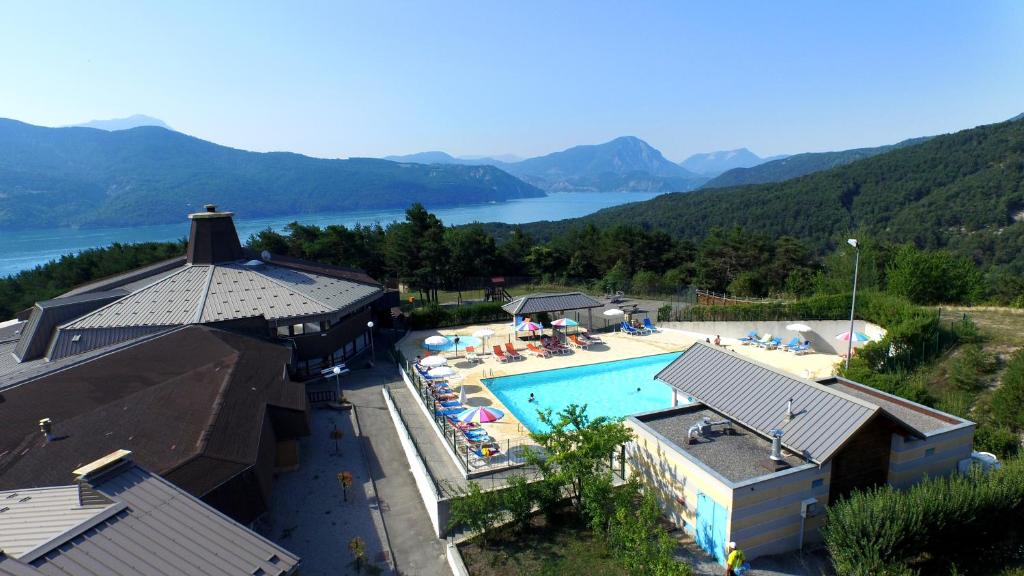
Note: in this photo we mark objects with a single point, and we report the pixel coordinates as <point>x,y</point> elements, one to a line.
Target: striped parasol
<point>480,414</point>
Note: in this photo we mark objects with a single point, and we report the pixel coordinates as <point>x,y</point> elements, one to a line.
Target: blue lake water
<point>24,249</point>
<point>608,389</point>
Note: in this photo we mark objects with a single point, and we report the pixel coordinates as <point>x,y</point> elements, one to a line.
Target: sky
<point>340,79</point>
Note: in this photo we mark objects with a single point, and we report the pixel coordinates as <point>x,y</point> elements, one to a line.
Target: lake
<point>25,249</point>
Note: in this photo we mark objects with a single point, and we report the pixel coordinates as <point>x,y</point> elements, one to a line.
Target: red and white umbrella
<point>480,414</point>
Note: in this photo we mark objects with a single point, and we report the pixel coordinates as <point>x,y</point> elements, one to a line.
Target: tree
<point>576,448</point>
<point>345,479</point>
<point>336,435</point>
<point>471,253</point>
<point>358,549</point>
<point>640,543</point>
<point>476,510</point>
<point>416,252</point>
<point>517,498</point>
<point>933,277</point>
<point>617,279</point>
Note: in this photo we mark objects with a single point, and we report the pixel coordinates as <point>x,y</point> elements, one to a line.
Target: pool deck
<point>618,346</point>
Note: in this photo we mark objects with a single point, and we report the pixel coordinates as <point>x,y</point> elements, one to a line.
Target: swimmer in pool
<point>637,388</point>
<point>532,399</point>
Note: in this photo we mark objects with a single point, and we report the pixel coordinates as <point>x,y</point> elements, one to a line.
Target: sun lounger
<point>555,348</point>
<point>538,351</point>
<point>510,349</point>
<point>802,349</point>
<point>590,338</point>
<point>574,339</point>
<point>763,341</point>
<point>471,354</point>
<point>501,356</point>
<point>750,338</point>
<point>631,330</point>
<point>449,411</point>
<point>792,344</point>
<point>649,325</point>
<point>773,343</point>
<point>448,403</point>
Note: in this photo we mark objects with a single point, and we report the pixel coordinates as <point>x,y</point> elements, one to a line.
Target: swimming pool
<point>608,389</point>
<point>463,342</point>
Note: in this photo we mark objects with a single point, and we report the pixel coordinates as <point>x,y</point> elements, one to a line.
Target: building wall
<point>766,511</point>
<point>912,459</point>
<point>675,479</point>
<point>863,462</point>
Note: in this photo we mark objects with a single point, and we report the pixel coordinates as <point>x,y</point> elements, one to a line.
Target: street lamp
<point>373,354</point>
<point>337,381</point>
<point>853,301</point>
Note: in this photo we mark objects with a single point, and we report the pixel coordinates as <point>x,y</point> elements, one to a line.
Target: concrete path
<point>417,550</point>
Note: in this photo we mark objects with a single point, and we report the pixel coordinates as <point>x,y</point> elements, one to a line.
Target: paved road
<point>417,550</point>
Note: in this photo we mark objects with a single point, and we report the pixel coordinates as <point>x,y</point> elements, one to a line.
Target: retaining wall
<point>822,335</point>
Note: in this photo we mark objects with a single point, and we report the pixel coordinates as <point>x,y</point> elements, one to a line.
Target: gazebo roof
<point>535,303</point>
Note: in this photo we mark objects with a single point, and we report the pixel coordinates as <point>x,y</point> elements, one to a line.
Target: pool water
<point>463,342</point>
<point>608,389</point>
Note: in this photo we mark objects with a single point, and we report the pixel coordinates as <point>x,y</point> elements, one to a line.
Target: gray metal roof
<point>160,530</point>
<point>755,396</point>
<point>237,291</point>
<point>534,303</point>
<point>921,419</point>
<point>169,301</point>
<point>35,517</point>
<point>49,314</point>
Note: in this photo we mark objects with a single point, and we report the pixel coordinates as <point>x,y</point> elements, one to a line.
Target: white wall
<point>822,335</point>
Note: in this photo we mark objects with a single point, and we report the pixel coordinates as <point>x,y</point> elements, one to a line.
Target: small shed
<point>557,302</point>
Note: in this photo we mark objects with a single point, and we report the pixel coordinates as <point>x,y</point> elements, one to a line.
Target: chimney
<point>776,445</point>
<point>46,427</point>
<point>789,409</point>
<point>213,237</point>
<point>93,471</point>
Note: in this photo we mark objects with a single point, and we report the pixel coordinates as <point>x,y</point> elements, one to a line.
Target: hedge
<point>434,316</point>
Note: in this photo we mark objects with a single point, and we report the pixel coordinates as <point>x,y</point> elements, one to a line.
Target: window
<point>818,483</point>
<point>929,452</point>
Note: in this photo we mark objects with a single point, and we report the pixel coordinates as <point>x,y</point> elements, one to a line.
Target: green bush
<point>665,313</point>
<point>885,531</point>
<point>518,498</point>
<point>476,510</point>
<point>643,547</point>
<point>999,440</point>
<point>1008,399</point>
<point>434,316</point>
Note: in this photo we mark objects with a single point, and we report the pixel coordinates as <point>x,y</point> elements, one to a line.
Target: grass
<point>567,548</point>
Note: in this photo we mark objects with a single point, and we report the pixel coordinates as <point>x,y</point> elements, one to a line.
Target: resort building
<point>752,454</point>
<point>211,411</point>
<point>119,519</point>
<point>320,312</point>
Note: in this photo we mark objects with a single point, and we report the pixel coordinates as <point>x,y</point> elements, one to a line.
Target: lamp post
<point>853,301</point>
<point>373,354</point>
<point>337,381</point>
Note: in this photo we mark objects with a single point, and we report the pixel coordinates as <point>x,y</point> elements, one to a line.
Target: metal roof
<point>160,530</point>
<point>237,291</point>
<point>35,517</point>
<point>169,301</point>
<point>534,303</point>
<point>756,395</point>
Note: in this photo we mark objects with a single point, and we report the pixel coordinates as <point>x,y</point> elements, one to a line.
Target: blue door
<point>711,524</point>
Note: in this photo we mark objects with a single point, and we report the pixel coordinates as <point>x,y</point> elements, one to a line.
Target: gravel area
<point>309,515</point>
<point>738,457</point>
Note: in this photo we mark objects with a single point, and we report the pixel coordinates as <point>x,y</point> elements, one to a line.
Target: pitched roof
<point>154,528</point>
<point>535,303</point>
<point>34,517</point>
<point>756,396</point>
<point>194,391</point>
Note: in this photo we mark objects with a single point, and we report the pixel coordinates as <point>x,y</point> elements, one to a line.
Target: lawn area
<point>569,548</point>
<point>1003,326</point>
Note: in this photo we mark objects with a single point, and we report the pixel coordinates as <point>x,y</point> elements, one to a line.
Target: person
<point>418,360</point>
<point>532,399</point>
<point>735,559</point>
<point>718,340</point>
<point>707,340</point>
<point>637,388</point>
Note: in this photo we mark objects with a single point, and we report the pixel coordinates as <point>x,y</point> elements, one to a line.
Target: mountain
<point>712,164</point>
<point>506,158</point>
<point>150,175</point>
<point>133,121</point>
<point>624,164</point>
<point>963,191</point>
<point>800,165</point>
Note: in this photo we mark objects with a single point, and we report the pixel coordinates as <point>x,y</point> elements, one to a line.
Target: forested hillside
<point>149,175</point>
<point>964,191</point>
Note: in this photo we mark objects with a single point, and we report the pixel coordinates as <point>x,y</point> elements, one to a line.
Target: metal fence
<point>440,490</point>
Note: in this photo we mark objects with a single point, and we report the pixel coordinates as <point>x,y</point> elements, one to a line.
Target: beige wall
<point>675,478</point>
<point>910,461</point>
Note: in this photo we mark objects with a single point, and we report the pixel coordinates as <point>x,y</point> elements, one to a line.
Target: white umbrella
<point>613,312</point>
<point>483,334</point>
<point>433,361</point>
<point>462,394</point>
<point>799,328</point>
<point>437,342</point>
<point>441,372</point>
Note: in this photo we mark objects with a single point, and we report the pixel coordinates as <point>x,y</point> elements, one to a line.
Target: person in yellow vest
<point>735,559</point>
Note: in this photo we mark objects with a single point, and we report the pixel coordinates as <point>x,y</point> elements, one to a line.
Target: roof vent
<point>210,207</point>
<point>705,425</point>
<point>46,427</point>
<point>776,455</point>
<point>113,461</point>
<point>213,238</point>
<point>789,409</point>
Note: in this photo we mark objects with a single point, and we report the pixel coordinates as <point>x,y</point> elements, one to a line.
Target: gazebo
<point>545,302</point>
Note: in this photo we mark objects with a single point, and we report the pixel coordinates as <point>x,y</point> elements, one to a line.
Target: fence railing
<point>318,396</point>
<point>439,489</point>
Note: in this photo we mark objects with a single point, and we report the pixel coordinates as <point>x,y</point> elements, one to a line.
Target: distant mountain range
<point>133,121</point>
<point>800,165</point>
<point>151,175</point>
<point>962,191</point>
<point>623,164</point>
<point>712,164</point>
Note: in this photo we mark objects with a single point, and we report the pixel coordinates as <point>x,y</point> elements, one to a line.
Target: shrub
<point>434,316</point>
<point>884,531</point>
<point>476,510</point>
<point>999,440</point>
<point>517,498</point>
<point>1008,399</point>
<point>642,546</point>
<point>665,313</point>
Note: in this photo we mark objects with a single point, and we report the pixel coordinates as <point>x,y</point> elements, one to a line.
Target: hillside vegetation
<point>962,191</point>
<point>149,175</point>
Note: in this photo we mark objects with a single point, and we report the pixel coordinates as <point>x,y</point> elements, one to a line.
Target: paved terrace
<point>618,346</point>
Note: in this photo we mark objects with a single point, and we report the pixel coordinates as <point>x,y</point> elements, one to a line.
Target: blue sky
<point>337,79</point>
